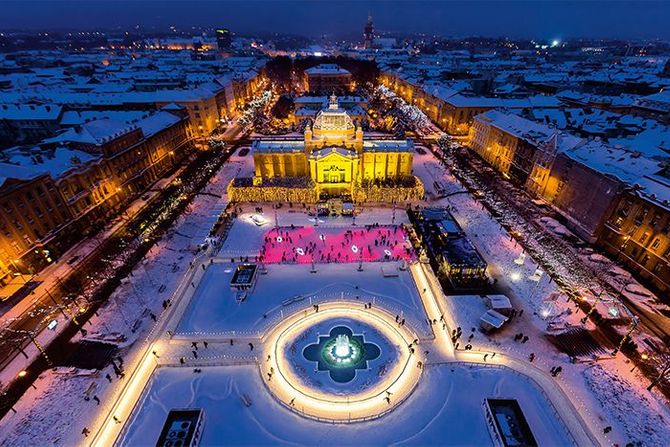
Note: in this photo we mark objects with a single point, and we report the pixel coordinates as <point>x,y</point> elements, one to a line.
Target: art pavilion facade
<point>333,160</point>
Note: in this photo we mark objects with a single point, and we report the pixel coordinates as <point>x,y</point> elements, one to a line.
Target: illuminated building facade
<point>334,160</point>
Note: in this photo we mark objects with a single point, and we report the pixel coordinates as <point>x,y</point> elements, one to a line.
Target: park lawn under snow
<point>445,409</point>
<point>214,308</point>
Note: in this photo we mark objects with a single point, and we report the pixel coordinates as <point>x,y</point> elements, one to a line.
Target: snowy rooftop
<point>326,69</point>
<point>530,131</point>
<point>29,112</point>
<point>55,162</point>
<point>94,132</point>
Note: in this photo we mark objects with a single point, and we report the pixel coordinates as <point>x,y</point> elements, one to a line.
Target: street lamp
<point>644,356</point>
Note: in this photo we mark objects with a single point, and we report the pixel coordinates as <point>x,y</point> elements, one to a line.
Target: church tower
<point>368,34</point>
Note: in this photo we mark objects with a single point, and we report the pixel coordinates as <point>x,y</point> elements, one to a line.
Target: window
<point>644,237</point>
<point>655,244</point>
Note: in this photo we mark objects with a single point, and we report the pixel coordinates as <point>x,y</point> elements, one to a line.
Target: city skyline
<point>515,19</point>
<point>334,223</point>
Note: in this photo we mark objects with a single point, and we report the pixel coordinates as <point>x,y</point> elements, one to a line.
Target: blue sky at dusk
<point>539,18</point>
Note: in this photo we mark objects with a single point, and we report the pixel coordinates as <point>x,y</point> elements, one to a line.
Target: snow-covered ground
<point>125,319</point>
<point>445,409</point>
<point>215,310</point>
<point>546,311</point>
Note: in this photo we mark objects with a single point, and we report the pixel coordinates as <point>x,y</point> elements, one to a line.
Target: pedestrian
<point>531,357</point>
<point>195,345</point>
<point>521,312</point>
<point>607,429</point>
<point>485,355</point>
<point>493,355</point>
<point>231,342</point>
<point>155,355</point>
<point>182,360</point>
<point>152,316</point>
<point>251,346</point>
<point>96,399</point>
<point>85,432</point>
<point>205,344</point>
<point>116,419</point>
<point>195,353</point>
<point>525,339</point>
<point>109,378</point>
<point>292,402</point>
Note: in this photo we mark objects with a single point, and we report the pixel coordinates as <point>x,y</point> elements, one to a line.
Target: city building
<point>368,34</point>
<point>224,39</point>
<point>66,186</point>
<point>27,123</point>
<point>638,230</point>
<point>333,160</point>
<point>328,79</point>
<point>511,143</point>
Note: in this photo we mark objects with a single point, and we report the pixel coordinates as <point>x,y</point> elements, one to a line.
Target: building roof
<point>327,69</point>
<point>388,146</point>
<point>22,112</point>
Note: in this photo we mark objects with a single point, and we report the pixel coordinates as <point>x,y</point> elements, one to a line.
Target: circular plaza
<point>341,361</point>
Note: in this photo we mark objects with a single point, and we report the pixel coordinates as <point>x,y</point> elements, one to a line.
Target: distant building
<point>328,79</point>
<point>224,39</point>
<point>27,123</point>
<point>368,34</point>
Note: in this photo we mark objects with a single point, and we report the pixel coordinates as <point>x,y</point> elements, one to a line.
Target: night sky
<point>527,19</point>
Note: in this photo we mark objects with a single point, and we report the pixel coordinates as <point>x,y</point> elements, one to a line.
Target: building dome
<point>333,120</point>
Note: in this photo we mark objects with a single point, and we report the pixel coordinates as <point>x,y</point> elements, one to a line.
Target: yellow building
<point>335,160</point>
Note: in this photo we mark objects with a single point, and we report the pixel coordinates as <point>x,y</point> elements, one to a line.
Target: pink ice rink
<point>303,244</point>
